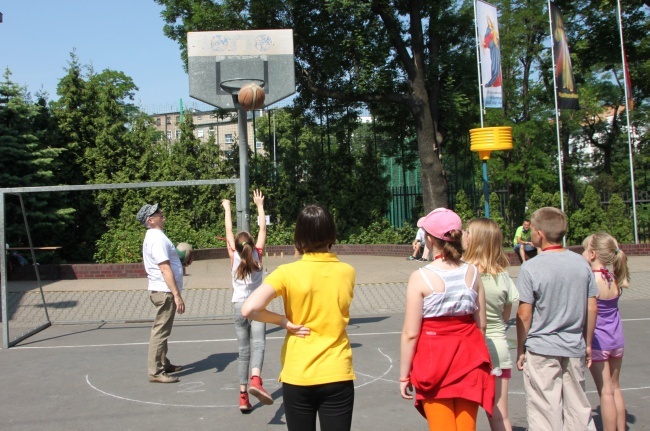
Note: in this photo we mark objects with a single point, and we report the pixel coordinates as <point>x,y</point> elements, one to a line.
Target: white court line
<point>376,378</point>
<point>642,388</point>
<point>390,367</point>
<point>154,403</point>
<point>217,340</point>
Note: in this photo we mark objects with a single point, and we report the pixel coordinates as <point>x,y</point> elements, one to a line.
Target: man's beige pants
<point>555,394</point>
<point>160,331</point>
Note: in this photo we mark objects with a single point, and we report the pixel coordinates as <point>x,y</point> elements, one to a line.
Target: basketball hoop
<point>233,86</point>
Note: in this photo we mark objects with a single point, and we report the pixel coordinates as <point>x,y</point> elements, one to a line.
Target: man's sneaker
<point>244,404</point>
<point>257,390</point>
<point>173,368</point>
<point>423,259</point>
<point>411,258</point>
<point>163,378</point>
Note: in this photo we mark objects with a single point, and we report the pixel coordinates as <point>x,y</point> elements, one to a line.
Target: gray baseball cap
<point>145,212</point>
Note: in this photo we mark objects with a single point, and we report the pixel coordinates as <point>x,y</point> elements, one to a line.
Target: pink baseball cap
<point>440,222</point>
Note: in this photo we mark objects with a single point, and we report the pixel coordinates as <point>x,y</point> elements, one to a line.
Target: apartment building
<point>225,129</point>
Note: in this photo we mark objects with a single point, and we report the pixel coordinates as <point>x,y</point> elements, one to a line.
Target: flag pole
<point>484,166</point>
<point>626,85</point>
<point>478,65</point>
<point>557,114</point>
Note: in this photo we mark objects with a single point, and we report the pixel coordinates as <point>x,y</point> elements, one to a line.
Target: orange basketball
<point>251,96</point>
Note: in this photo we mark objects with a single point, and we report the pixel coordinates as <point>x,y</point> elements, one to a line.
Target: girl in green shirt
<point>484,248</point>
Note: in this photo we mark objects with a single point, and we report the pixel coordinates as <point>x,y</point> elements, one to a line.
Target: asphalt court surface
<point>93,377</point>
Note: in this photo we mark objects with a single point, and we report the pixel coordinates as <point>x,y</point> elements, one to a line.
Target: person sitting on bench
<point>524,248</point>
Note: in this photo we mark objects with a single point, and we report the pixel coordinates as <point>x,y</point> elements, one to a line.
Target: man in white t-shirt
<point>420,252</point>
<point>165,274</point>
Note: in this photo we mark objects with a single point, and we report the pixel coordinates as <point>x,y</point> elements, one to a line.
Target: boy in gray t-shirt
<point>555,324</point>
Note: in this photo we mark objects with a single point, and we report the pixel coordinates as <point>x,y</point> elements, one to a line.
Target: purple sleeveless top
<point>609,328</point>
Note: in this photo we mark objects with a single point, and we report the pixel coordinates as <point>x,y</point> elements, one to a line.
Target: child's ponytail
<point>608,252</point>
<point>620,268</point>
<point>245,245</point>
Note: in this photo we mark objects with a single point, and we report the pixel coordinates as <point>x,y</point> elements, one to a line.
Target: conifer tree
<point>617,220</point>
<point>588,219</point>
<point>25,162</point>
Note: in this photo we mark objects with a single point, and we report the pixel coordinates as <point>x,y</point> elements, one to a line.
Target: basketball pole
<point>243,216</point>
<point>226,60</point>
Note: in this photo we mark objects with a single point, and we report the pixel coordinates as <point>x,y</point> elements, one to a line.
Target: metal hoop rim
<point>232,89</point>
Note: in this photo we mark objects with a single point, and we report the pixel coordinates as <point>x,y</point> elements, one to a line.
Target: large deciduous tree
<point>374,51</point>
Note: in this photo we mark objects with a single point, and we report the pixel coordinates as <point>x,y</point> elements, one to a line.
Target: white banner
<point>490,54</point>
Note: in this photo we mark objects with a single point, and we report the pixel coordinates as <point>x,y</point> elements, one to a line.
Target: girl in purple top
<point>601,251</point>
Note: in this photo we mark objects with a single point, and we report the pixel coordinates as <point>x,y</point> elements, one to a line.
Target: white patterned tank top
<point>457,299</point>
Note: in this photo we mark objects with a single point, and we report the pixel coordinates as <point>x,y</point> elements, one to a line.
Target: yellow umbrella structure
<point>483,141</point>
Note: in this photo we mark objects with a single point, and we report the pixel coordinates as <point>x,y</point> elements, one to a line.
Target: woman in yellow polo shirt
<point>316,357</point>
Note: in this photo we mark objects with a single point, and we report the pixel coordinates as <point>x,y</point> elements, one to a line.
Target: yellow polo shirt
<point>317,291</point>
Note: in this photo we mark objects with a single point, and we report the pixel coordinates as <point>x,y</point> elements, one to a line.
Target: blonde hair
<point>485,247</point>
<point>551,221</point>
<point>607,251</point>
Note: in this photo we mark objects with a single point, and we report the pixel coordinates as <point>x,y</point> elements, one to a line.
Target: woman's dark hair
<point>244,245</point>
<point>315,229</point>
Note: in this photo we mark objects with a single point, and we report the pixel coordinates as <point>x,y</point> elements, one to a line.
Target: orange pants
<point>451,414</point>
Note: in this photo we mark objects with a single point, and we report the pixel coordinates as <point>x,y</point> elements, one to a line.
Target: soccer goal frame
<point>242,215</point>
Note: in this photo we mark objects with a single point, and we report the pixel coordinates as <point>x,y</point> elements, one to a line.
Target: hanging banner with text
<point>490,54</point>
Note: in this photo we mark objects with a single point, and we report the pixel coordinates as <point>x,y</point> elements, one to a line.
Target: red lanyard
<point>552,247</point>
<point>437,256</point>
<point>606,274</point>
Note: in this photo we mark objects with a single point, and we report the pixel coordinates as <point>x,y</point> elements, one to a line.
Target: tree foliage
<point>27,159</point>
<point>617,220</point>
<point>588,219</point>
<point>463,207</point>
<point>409,64</point>
<point>399,53</point>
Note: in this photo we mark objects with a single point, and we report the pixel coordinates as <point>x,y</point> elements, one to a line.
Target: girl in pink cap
<point>444,357</point>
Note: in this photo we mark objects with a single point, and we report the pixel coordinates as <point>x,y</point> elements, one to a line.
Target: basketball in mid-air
<point>251,96</point>
<point>184,251</point>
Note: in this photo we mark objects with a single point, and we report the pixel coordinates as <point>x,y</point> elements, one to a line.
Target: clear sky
<point>37,37</point>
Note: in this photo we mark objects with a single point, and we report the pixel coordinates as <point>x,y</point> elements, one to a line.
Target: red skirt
<point>452,361</point>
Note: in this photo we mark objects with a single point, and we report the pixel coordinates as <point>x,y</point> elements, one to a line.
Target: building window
<point>258,145</point>
<point>178,133</point>
<point>158,121</point>
<point>199,133</point>
<point>229,138</point>
<point>211,131</point>
<point>178,119</point>
<point>169,135</point>
<point>168,120</point>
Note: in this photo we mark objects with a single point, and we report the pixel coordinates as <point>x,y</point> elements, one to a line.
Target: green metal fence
<point>404,185</point>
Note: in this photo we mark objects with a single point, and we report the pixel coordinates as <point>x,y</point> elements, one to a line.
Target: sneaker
<point>244,404</point>
<point>163,378</point>
<point>423,259</point>
<point>173,368</point>
<point>257,390</point>
<point>411,258</point>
